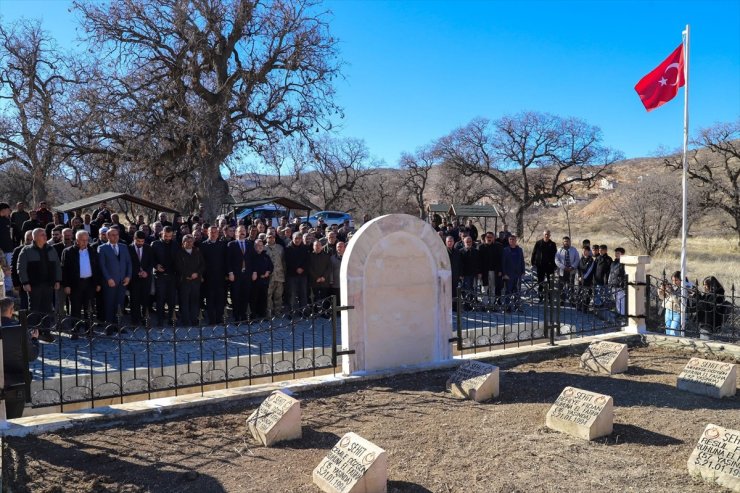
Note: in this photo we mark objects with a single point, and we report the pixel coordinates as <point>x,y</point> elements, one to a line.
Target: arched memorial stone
<point>396,275</point>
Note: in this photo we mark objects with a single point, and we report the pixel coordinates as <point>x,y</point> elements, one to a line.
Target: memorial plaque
<point>581,413</point>
<point>716,458</point>
<point>276,420</point>
<point>707,377</point>
<point>354,465</point>
<point>605,357</point>
<point>474,380</point>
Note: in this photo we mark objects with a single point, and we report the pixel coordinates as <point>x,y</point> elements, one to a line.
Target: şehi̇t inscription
<point>716,457</point>
<point>581,413</point>
<point>475,380</point>
<point>353,465</point>
<point>707,377</point>
<point>277,419</point>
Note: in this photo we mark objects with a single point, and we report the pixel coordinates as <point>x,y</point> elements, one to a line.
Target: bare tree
<point>454,187</point>
<point>648,213</point>
<point>337,167</point>
<point>530,156</point>
<point>180,85</point>
<point>32,83</point>
<point>416,169</point>
<point>714,168</point>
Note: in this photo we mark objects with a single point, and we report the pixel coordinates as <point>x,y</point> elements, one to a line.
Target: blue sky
<point>415,70</point>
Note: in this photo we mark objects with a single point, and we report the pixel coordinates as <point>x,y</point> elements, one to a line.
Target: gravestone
<point>716,457</point>
<point>475,380</point>
<point>278,419</point>
<point>354,465</point>
<point>706,377</point>
<point>582,414</point>
<point>605,357</point>
<point>396,276</point>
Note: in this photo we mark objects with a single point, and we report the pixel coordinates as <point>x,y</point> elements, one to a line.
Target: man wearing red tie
<point>142,263</point>
<point>239,255</point>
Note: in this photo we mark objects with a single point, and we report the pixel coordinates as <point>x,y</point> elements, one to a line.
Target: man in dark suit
<point>115,264</point>
<point>239,253</point>
<point>214,256</point>
<point>81,275</point>
<point>142,262</point>
<point>27,240</point>
<point>165,276</point>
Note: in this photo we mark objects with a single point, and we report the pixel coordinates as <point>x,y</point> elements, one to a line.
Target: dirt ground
<point>434,442</point>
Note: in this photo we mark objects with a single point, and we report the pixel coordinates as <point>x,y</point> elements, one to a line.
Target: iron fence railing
<point>90,362</point>
<point>535,313</point>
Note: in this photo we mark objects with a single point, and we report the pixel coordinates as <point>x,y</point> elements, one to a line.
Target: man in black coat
<point>455,266</point>
<point>16,359</point>
<point>23,295</point>
<point>543,259</point>
<point>296,264</point>
<point>239,255</point>
<point>189,266</point>
<point>470,264</point>
<point>214,277</point>
<point>165,277</point>
<point>142,263</point>
<point>81,275</point>
<point>490,254</point>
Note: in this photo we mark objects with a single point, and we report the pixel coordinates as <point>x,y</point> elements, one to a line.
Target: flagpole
<point>685,232</point>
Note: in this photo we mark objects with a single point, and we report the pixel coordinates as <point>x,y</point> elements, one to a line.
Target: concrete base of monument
<point>278,419</point>
<point>706,377</point>
<point>582,414</point>
<point>605,357</point>
<point>716,457</point>
<point>353,465</point>
<point>475,381</point>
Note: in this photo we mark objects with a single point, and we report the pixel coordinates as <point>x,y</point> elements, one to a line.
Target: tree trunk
<point>38,188</point>
<point>520,220</point>
<point>212,190</point>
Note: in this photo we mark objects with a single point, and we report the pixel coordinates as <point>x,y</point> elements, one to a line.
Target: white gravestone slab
<point>354,465</point>
<point>606,357</point>
<point>475,380</point>
<point>582,414</point>
<point>278,419</point>
<point>706,377</point>
<point>716,458</point>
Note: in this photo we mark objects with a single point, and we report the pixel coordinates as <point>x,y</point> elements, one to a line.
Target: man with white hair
<point>40,273</point>
<point>81,276</point>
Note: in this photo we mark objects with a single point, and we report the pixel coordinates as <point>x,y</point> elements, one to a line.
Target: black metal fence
<point>90,362</point>
<point>710,314</point>
<point>535,313</point>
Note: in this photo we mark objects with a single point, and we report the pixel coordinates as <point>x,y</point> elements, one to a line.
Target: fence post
<point>635,267</point>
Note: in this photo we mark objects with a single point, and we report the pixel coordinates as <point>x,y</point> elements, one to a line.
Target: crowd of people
<point>707,305</point>
<point>172,270</point>
<point>495,266</point>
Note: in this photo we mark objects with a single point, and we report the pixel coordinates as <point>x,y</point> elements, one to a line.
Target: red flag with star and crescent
<point>662,83</point>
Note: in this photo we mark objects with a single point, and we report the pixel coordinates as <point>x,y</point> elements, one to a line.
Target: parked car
<point>270,213</point>
<point>331,217</point>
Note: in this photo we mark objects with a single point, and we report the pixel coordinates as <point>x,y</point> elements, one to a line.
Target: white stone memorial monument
<point>278,419</point>
<point>582,414</point>
<point>396,275</point>
<point>354,465</point>
<point>716,457</point>
<point>475,380</point>
<point>605,357</point>
<point>706,377</point>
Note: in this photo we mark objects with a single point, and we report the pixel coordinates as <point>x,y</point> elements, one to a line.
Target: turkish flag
<point>661,85</point>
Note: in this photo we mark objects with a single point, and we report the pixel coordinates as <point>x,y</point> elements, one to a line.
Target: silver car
<point>331,217</point>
